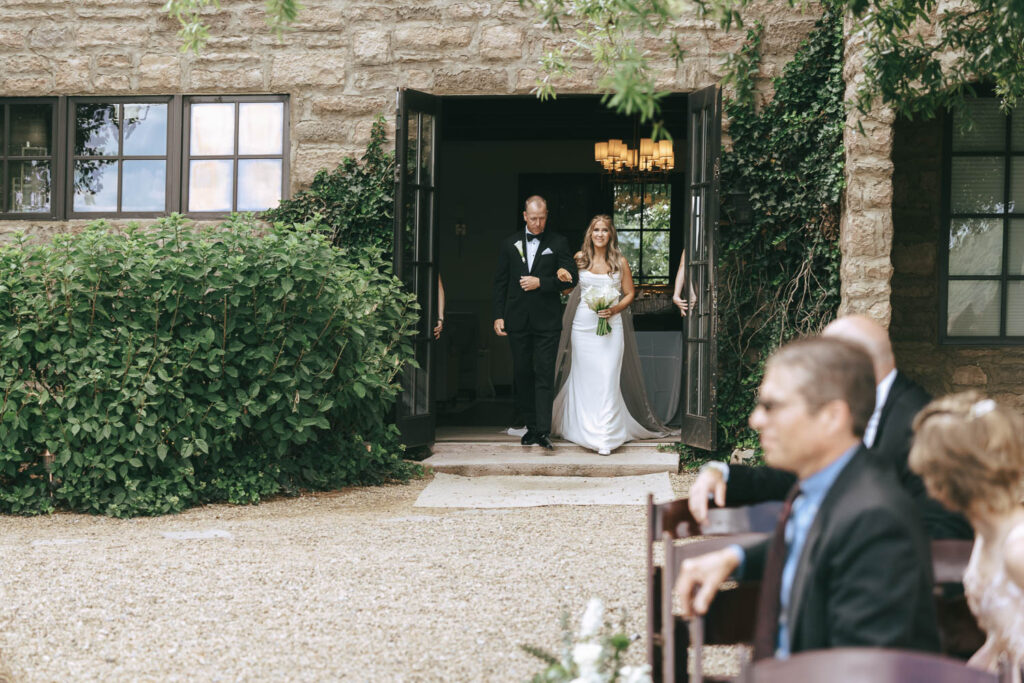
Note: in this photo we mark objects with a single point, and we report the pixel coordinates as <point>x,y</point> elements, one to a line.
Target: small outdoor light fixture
<point>48,458</point>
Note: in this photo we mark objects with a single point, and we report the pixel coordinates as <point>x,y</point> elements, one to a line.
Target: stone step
<point>490,458</point>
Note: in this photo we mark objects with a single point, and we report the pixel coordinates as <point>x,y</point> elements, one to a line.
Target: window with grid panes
<point>983,300</point>
<point>27,130</point>
<point>235,154</point>
<point>643,222</point>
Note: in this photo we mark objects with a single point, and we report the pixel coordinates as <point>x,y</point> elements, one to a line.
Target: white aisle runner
<point>454,491</point>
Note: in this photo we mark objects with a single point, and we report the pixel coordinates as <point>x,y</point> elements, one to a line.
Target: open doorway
<point>494,153</point>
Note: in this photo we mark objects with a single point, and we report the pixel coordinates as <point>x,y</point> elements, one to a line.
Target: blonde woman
<point>970,452</point>
<point>601,401</point>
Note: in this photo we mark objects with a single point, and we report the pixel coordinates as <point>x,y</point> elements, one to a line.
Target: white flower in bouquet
<point>593,619</point>
<point>587,656</point>
<point>598,299</point>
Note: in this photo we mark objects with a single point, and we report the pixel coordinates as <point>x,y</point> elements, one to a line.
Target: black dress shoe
<point>529,438</point>
<point>544,441</point>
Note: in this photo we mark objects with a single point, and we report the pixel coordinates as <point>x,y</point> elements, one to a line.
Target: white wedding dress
<point>589,409</point>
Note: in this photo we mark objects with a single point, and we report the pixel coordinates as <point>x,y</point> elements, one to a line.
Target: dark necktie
<point>531,237</point>
<point>767,627</point>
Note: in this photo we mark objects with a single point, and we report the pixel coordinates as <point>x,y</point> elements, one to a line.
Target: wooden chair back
<point>855,665</point>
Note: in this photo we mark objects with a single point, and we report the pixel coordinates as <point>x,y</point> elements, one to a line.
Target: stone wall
<point>916,250</point>
<point>340,64</point>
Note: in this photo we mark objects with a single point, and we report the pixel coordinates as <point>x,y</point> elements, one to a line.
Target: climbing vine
<point>779,272</point>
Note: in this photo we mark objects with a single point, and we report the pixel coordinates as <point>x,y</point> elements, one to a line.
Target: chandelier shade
<point>649,156</point>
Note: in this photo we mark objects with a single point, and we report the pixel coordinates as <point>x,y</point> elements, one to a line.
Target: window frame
<point>171,195</point>
<point>642,183</point>
<point>57,163</point>
<point>946,216</point>
<point>186,156</point>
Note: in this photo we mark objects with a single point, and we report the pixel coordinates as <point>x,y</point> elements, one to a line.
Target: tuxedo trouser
<point>533,367</point>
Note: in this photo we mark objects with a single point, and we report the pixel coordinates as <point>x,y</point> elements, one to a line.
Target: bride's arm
<point>628,292</point>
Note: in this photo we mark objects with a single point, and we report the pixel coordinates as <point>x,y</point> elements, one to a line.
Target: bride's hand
<point>682,304</point>
<point>605,313</point>
<point>564,275</point>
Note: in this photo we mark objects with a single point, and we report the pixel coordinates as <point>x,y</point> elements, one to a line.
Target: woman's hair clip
<point>982,407</point>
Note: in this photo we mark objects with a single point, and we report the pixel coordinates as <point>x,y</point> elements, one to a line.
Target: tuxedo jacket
<point>864,576</point>
<point>893,438</point>
<point>540,309</point>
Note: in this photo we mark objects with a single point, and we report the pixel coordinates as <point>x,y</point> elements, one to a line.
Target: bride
<point>601,403</point>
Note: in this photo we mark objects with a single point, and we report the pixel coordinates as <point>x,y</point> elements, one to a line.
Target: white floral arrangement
<point>591,655</point>
<point>598,299</point>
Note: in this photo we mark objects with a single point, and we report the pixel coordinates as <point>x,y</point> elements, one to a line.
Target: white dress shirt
<point>881,395</point>
<point>531,249</point>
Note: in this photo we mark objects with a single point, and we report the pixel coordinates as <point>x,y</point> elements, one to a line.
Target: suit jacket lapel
<point>899,385</point>
<point>809,556</point>
<point>540,249</point>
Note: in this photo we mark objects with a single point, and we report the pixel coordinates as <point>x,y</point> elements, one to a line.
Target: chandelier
<point>616,157</point>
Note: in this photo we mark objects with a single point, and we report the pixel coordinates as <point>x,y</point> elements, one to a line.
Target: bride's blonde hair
<point>613,256</point>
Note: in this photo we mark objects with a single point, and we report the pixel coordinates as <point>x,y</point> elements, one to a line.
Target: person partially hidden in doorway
<point>528,310</point>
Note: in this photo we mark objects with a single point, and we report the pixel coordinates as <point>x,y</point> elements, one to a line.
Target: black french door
<point>417,142</point>
<point>700,369</point>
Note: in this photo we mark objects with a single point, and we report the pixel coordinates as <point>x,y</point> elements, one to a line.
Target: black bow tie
<point>531,237</point>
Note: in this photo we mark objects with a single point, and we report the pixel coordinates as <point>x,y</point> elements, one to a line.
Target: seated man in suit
<point>888,434</point>
<point>849,564</point>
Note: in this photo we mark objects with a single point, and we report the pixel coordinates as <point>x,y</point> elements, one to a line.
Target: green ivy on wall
<point>779,273</point>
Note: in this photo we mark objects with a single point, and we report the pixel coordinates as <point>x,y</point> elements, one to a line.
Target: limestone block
<point>25,63</point>
<point>970,375</point>
<point>322,18</point>
<point>511,11</point>
<point>225,79</point>
<point>526,80</point>
<point>12,40</point>
<point>490,81</point>
<point>112,34</point>
<point>416,79</point>
<point>48,35</point>
<point>371,82</point>
<point>501,42</point>
<point>26,85</point>
<point>311,158</point>
<point>320,69</point>
<point>417,12</point>
<point>158,72</point>
<point>322,132</point>
<point>350,106</point>
<point>112,84</point>
<point>429,37</point>
<point>72,76</point>
<point>371,47</point>
<point>113,60</point>
<point>469,10</point>
<point>371,12</point>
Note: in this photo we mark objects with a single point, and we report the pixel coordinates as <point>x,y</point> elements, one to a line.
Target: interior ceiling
<point>568,117</point>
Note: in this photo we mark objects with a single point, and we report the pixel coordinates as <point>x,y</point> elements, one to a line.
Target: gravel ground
<point>355,585</point>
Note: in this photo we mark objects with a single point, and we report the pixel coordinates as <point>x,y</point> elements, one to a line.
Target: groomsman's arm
<point>501,283</point>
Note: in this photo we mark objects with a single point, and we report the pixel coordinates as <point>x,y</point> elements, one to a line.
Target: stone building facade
<point>341,64</point>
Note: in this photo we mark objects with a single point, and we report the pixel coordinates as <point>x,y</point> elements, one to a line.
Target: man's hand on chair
<point>700,578</point>
<point>709,484</point>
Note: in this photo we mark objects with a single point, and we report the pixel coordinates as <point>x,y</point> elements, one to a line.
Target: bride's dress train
<point>589,409</point>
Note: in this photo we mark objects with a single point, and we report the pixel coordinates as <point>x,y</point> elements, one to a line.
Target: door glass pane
<point>31,133</point>
<point>1016,185</point>
<point>260,127</point>
<point>144,185</point>
<point>209,185</point>
<point>975,246</point>
<point>1015,266</point>
<point>988,127</point>
<point>412,145</point>
<point>1017,131</point>
<point>96,129</point>
<point>95,185</point>
<point>696,388</point>
<point>259,184</point>
<point>427,150</point>
<point>977,185</point>
<point>145,129</point>
<point>409,239</point>
<point>29,187</point>
<point>972,309</point>
<point>1015,309</point>
<point>212,129</point>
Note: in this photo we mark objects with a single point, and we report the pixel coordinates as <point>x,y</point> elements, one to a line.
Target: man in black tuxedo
<point>528,310</point>
<point>849,565</point>
<point>888,435</point>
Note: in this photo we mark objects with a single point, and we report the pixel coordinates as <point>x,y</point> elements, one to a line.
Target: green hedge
<point>174,366</point>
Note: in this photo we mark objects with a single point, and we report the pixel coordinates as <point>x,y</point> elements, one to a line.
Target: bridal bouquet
<point>598,299</point>
<point>590,656</point>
